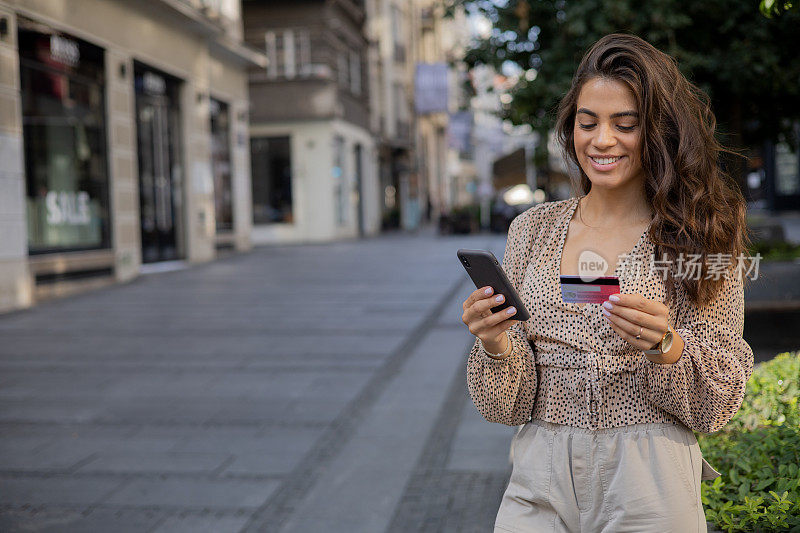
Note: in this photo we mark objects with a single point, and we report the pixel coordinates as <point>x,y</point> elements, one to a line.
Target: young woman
<point>608,395</point>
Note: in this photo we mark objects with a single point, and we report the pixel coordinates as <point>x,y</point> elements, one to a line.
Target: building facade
<point>314,158</point>
<point>392,30</point>
<point>443,116</point>
<point>124,138</point>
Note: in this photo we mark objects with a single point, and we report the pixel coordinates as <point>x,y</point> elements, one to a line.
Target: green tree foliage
<point>746,62</point>
<point>770,8</point>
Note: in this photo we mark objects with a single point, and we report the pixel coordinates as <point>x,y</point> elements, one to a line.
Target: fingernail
<point>614,298</point>
<point>608,305</point>
<point>499,298</point>
<point>606,312</point>
<point>488,291</point>
<point>511,311</point>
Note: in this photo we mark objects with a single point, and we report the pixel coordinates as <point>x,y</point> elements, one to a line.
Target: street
<point>293,388</point>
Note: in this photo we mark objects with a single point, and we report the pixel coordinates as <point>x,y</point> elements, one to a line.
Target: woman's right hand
<point>489,327</point>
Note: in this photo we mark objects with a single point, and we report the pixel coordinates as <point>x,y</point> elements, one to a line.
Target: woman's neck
<point>612,208</point>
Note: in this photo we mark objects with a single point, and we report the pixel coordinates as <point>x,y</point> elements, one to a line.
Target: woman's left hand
<point>633,313</point>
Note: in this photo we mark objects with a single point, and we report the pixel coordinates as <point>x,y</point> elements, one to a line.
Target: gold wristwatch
<point>662,346</point>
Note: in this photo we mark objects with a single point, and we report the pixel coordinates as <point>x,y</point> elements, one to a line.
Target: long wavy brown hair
<point>698,208</point>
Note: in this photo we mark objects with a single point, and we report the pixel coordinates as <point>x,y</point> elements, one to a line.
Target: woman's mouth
<point>605,163</point>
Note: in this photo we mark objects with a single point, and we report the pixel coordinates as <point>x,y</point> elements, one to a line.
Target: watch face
<point>666,343</point>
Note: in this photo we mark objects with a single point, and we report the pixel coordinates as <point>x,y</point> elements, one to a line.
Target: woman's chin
<point>605,181</point>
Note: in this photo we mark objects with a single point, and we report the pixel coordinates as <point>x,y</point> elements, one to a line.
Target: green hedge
<point>758,455</point>
<point>776,250</point>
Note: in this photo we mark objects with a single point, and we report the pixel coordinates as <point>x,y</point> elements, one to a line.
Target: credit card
<point>575,290</point>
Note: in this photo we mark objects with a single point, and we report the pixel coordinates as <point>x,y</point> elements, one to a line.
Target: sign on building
<point>430,88</point>
<point>459,131</point>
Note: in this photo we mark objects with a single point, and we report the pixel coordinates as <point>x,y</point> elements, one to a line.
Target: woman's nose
<point>605,137</point>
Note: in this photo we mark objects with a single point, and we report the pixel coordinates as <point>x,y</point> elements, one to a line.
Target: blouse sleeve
<point>504,390</point>
<point>705,387</point>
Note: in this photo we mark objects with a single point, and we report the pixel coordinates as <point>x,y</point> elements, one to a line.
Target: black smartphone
<point>485,270</point>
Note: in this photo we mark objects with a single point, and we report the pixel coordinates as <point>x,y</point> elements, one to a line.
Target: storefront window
<point>63,115</point>
<point>271,162</point>
<point>221,163</point>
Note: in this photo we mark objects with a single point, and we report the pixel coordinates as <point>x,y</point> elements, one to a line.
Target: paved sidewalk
<point>294,388</point>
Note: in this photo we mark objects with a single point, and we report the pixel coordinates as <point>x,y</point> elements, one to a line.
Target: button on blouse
<point>568,366</point>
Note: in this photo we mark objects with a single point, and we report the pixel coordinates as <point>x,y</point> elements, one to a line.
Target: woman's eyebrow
<point>613,115</point>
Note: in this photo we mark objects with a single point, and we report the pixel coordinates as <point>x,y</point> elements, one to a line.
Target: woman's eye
<point>586,126</point>
<point>626,128</point>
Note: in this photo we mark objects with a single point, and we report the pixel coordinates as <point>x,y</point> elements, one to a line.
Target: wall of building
<point>319,34</point>
<point>312,161</point>
<point>15,284</point>
<point>371,193</point>
<point>317,94</point>
<point>154,34</point>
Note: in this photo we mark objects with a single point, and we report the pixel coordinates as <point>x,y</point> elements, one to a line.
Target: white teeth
<point>605,160</point>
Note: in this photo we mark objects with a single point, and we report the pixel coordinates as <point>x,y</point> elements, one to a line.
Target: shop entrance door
<point>159,165</point>
<point>359,186</point>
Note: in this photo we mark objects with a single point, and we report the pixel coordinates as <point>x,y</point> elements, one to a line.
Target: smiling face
<point>608,133</point>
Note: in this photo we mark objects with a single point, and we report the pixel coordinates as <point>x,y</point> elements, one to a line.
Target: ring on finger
<point>639,335</point>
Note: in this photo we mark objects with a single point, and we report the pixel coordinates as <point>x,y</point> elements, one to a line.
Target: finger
<point>636,301</point>
<point>479,316</point>
<point>637,343</point>
<point>655,322</point>
<point>482,308</point>
<point>499,316</point>
<point>628,331</point>
<point>495,318</point>
<point>477,294</point>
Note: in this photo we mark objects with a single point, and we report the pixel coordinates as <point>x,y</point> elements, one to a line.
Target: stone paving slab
<point>34,490</point>
<point>198,492</point>
<point>34,384</point>
<point>154,462</point>
<point>10,445</point>
<point>201,524</point>
<point>278,463</point>
<point>53,519</point>
<point>203,345</point>
<point>65,430</point>
<point>238,440</point>
<point>58,459</point>
<point>93,445</point>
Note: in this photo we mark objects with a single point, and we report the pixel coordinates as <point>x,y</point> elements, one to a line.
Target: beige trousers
<point>637,478</point>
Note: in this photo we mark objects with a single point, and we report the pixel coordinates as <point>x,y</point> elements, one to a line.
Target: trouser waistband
<point>631,428</point>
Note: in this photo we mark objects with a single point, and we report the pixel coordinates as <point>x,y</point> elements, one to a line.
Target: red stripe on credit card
<point>577,290</point>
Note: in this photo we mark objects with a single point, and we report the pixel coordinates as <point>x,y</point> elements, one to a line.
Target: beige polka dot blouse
<point>568,365</point>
